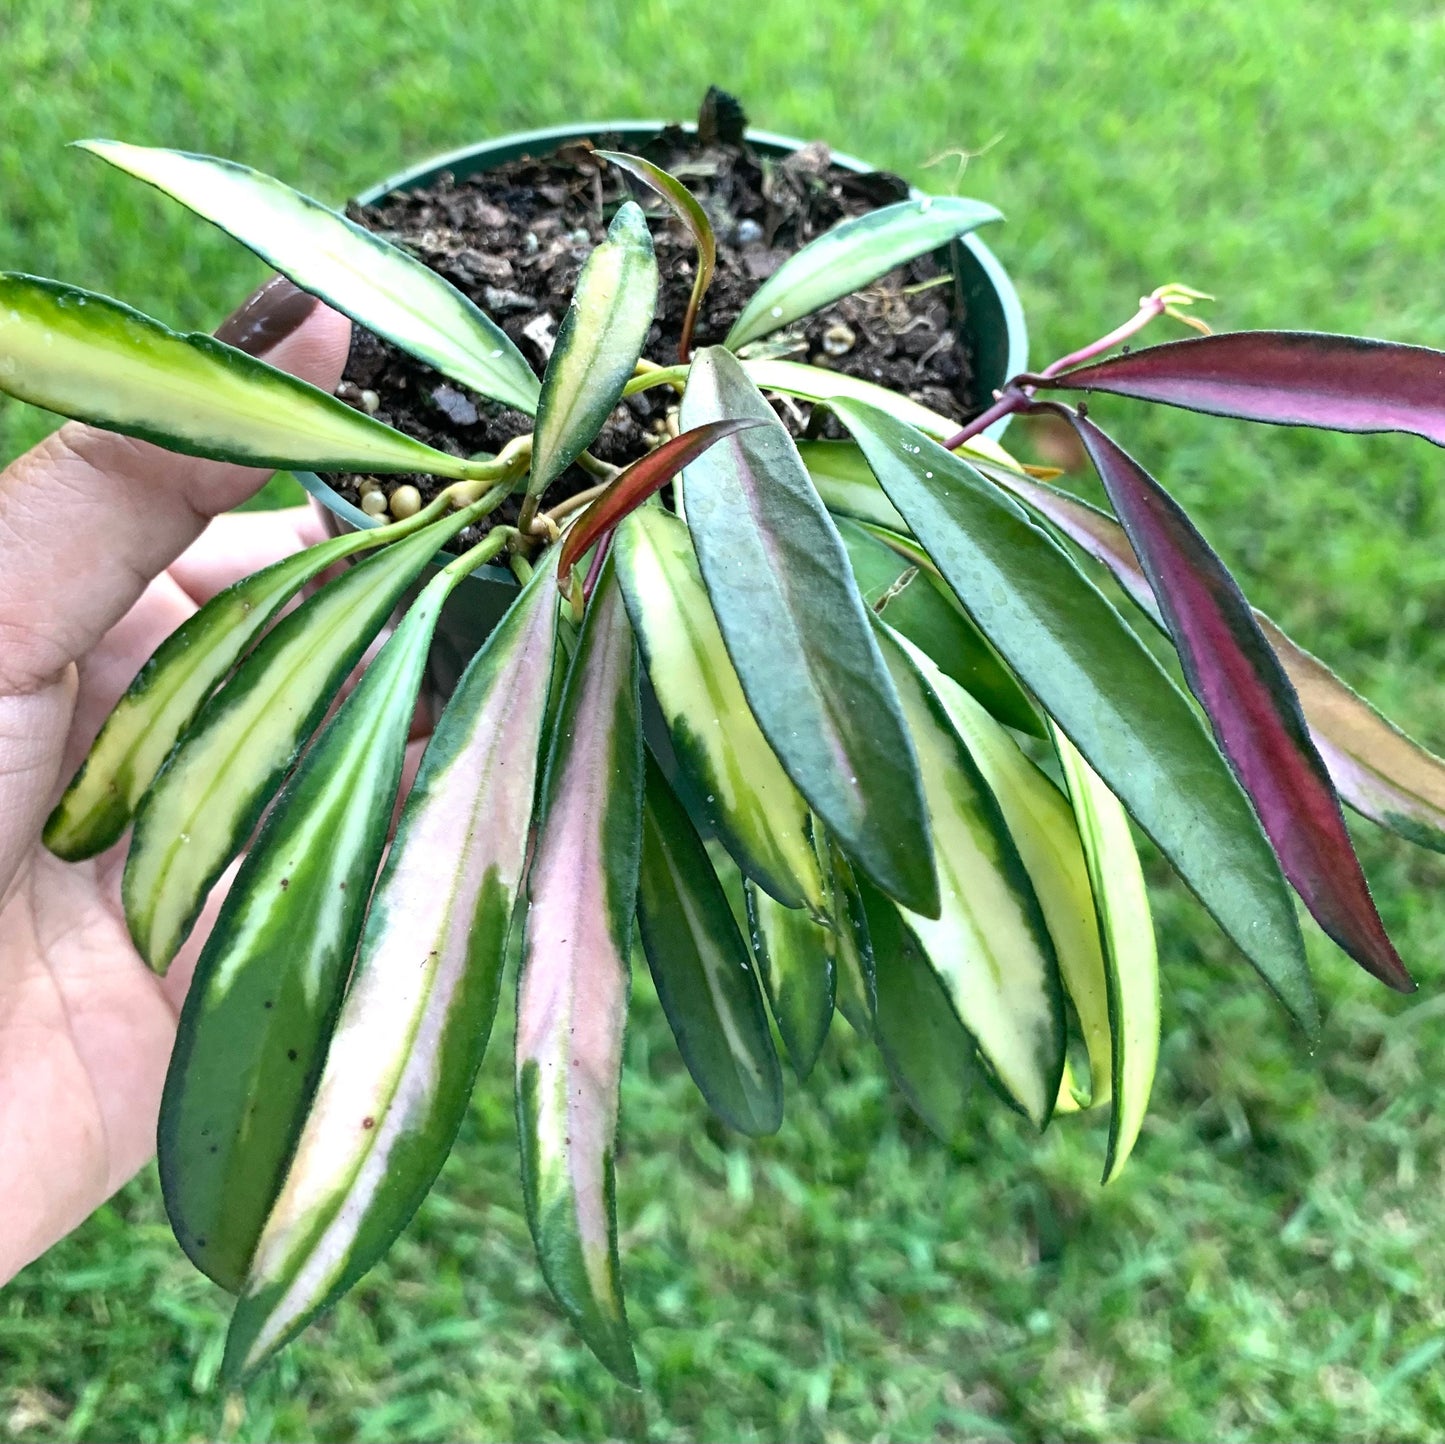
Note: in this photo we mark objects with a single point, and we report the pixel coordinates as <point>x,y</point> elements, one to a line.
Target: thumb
<point>88,517</point>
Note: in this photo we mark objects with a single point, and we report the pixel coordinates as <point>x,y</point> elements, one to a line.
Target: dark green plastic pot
<point>993,329</point>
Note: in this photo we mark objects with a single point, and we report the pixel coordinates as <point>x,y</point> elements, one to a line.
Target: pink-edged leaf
<point>1383,774</point>
<point>572,996</point>
<point>1289,378</point>
<point>1250,703</point>
<point>626,492</point>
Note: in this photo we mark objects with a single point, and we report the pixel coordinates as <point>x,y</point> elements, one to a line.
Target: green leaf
<point>409,1040</point>
<point>598,344</point>
<point>572,995</point>
<point>795,956</point>
<point>168,692</point>
<point>1042,827</point>
<point>900,584</point>
<point>1104,689</point>
<point>852,255</point>
<point>213,788</point>
<point>92,359</point>
<point>991,946</point>
<point>376,284</point>
<point>702,969</point>
<point>745,795</point>
<point>928,1051</point>
<point>842,477</point>
<point>855,991</point>
<point>1130,956</point>
<point>254,1028</point>
<point>799,637</point>
<point>686,208</point>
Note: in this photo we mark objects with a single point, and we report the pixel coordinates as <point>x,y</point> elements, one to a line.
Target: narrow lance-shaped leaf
<point>167,693</point>
<point>572,996</point>
<point>1106,691</point>
<point>795,957</point>
<point>598,344</point>
<point>991,947</point>
<point>1254,711</point>
<point>1041,825</point>
<point>1131,959</point>
<point>255,1024</point>
<point>854,990</point>
<point>208,797</point>
<point>686,208</point>
<point>900,584</point>
<point>375,283</point>
<point>741,787</point>
<point>1290,378</point>
<point>627,491</point>
<point>1383,774</point>
<point>93,359</point>
<point>702,968</point>
<point>419,1008</point>
<point>928,1051</point>
<point>852,255</point>
<point>799,637</point>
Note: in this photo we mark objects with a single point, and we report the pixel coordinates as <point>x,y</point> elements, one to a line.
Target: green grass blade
<point>378,285</point>
<point>1103,688</point>
<point>93,359</point>
<point>210,794</point>
<point>746,796</point>
<point>795,957</point>
<point>799,637</point>
<point>168,691</point>
<point>254,1029</point>
<point>901,586</point>
<point>991,948</point>
<point>408,1042</point>
<point>572,995</point>
<point>1042,826</point>
<point>597,347</point>
<point>1130,954</point>
<point>702,969</point>
<point>852,255</point>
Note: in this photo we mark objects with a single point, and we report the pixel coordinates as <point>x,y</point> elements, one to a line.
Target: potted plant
<point>900,733</point>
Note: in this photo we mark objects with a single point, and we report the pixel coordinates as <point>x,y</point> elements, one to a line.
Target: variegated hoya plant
<point>907,737</point>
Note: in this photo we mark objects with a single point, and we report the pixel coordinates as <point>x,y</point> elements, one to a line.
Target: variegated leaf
<point>1042,826</point>
<point>991,946</point>
<point>598,344</point>
<point>852,255</point>
<point>1131,958</point>
<point>745,794</point>
<point>254,1028</point>
<point>702,968</point>
<point>92,359</point>
<point>795,954</point>
<point>419,1009</point>
<point>798,634</point>
<point>378,285</point>
<point>572,996</point>
<point>212,790</point>
<point>855,992</point>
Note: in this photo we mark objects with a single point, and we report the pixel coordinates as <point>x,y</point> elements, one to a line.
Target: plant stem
<point>576,503</point>
<point>1149,308</point>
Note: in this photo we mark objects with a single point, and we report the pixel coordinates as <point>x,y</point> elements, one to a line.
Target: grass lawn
<point>1270,1266</point>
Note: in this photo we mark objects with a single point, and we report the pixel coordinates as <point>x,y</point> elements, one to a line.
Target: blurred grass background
<point>1270,1266</point>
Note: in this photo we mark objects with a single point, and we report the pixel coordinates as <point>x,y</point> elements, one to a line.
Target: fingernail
<point>267,318</point>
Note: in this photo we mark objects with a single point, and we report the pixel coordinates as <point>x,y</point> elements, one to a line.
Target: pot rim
<point>334,503</point>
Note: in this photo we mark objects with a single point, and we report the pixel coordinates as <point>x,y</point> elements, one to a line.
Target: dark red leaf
<point>1290,378</point>
<point>625,493</point>
<point>1254,710</point>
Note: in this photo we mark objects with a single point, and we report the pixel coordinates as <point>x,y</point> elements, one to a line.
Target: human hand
<point>106,545</point>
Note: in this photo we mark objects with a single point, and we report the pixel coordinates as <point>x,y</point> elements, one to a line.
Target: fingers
<point>87,518</point>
